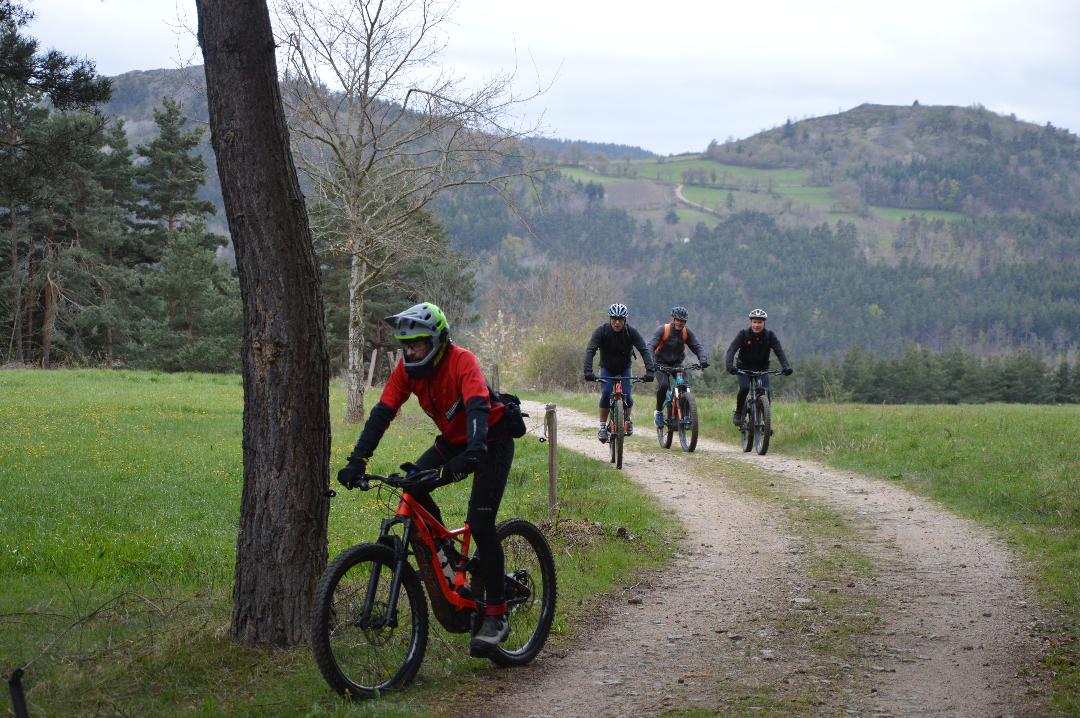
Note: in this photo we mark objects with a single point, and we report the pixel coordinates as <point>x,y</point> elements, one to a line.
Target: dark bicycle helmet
<point>680,313</point>
<point>417,322</point>
<point>757,314</point>
<point>618,310</point>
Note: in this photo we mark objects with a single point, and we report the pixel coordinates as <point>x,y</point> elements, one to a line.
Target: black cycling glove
<point>354,471</point>
<point>460,466</point>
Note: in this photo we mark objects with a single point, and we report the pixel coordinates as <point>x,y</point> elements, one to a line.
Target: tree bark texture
<point>281,547</point>
<point>354,367</point>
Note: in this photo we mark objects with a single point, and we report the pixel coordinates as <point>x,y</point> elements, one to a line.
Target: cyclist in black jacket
<point>616,340</point>
<point>669,345</point>
<point>753,346</point>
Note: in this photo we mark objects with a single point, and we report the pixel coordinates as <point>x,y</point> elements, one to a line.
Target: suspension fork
<point>399,544</point>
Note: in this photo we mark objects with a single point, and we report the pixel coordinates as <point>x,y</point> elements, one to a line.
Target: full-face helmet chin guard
<point>419,322</point>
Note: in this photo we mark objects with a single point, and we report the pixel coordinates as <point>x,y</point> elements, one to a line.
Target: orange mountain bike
<point>370,623</point>
<point>617,413</point>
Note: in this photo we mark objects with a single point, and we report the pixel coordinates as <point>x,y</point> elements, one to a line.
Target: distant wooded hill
<point>879,226</point>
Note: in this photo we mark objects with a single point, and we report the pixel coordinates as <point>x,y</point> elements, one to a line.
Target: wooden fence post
<point>552,427</point>
<point>371,367</point>
<point>495,377</point>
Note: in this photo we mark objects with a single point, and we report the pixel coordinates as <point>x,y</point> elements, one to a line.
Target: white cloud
<point>672,76</point>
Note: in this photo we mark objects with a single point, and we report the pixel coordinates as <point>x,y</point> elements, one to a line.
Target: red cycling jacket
<point>455,389</point>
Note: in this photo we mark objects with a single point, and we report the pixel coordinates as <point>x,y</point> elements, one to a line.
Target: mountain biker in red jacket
<point>670,350</point>
<point>452,390</point>
<point>753,346</point>
<point>616,341</point>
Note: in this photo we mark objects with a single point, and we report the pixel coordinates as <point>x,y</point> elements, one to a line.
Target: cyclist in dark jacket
<point>616,341</point>
<point>452,390</point>
<point>669,349</point>
<point>753,346</point>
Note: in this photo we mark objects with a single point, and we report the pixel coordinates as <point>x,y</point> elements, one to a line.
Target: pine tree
<point>26,77</point>
<point>168,182</point>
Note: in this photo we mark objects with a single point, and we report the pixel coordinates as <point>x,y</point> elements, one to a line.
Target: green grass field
<point>750,189</point>
<point>119,504</point>
<point>1013,467</point>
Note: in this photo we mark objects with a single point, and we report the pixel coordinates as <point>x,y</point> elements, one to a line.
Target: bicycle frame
<point>755,433</point>
<point>678,385</point>
<point>424,533</point>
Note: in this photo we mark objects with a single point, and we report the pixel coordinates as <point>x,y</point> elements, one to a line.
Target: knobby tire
<point>747,428</point>
<point>688,423</point>
<point>619,422</point>
<point>360,661</point>
<point>764,425</point>
<point>529,565</point>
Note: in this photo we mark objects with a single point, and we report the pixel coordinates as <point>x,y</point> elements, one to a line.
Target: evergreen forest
<point>115,251</point>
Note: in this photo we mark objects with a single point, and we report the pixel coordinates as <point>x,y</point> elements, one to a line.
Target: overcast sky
<point>671,76</point>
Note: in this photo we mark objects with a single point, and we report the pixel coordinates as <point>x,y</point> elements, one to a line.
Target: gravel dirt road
<point>914,612</point>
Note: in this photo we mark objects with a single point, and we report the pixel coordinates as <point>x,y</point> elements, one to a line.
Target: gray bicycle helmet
<point>618,310</point>
<point>417,322</point>
<point>680,313</point>
<point>757,314</point>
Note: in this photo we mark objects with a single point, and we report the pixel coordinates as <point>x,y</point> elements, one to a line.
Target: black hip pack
<point>513,418</point>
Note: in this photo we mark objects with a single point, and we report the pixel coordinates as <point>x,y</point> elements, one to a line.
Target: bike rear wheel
<point>764,425</point>
<point>360,657</point>
<point>746,428</point>
<point>618,420</point>
<point>530,592</point>
<point>688,421</point>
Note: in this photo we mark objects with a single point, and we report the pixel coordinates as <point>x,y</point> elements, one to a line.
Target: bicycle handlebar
<point>673,369</point>
<point>400,481</point>
<point>633,379</point>
<point>755,372</point>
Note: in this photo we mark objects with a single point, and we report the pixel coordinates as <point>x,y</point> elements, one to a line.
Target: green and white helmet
<point>417,322</point>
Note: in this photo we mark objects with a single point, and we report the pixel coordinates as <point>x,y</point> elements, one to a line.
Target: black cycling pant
<point>663,381</point>
<point>744,389</point>
<point>488,484</point>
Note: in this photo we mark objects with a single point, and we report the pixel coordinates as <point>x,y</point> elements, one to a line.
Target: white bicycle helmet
<point>618,310</point>
<point>757,314</point>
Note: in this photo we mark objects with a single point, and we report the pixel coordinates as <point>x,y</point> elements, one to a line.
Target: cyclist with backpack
<point>473,439</point>
<point>753,346</point>
<point>668,345</point>
<point>616,340</point>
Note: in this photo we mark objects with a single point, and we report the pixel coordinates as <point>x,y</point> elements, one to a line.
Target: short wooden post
<point>551,425</point>
<point>495,377</point>
<point>371,367</point>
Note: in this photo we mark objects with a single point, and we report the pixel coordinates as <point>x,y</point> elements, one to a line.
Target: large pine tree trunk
<point>354,369</point>
<point>281,548</point>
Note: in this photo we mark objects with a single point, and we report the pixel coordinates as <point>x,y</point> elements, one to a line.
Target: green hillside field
<point>119,505</point>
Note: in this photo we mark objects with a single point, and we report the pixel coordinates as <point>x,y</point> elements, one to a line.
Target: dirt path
<point>723,630</point>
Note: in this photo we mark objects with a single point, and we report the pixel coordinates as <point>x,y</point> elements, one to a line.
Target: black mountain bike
<point>680,409</point>
<point>617,413</point>
<point>756,424</point>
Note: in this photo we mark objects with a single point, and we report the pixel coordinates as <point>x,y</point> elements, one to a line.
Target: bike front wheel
<point>688,421</point>
<point>363,648</point>
<point>746,428</point>
<point>530,592</point>
<point>618,414</point>
<point>764,425</point>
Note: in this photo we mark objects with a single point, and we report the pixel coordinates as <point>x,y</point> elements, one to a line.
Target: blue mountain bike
<point>680,409</point>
